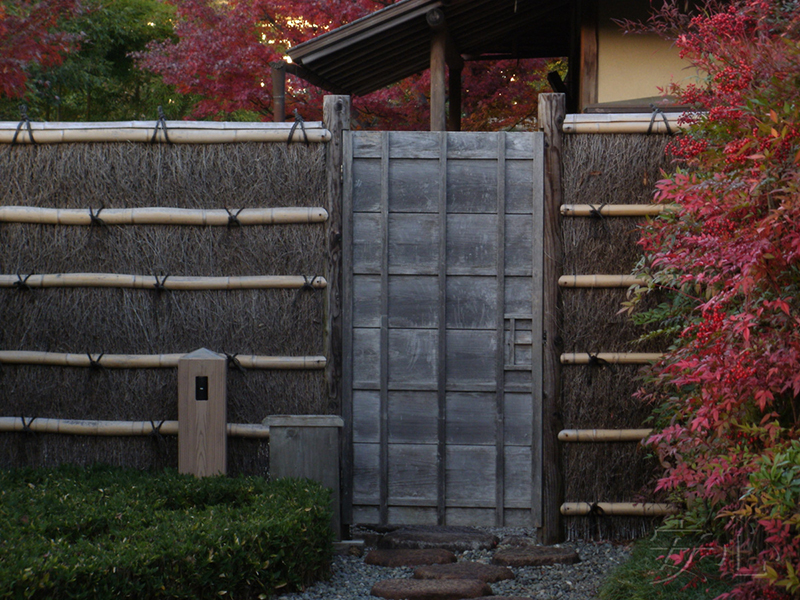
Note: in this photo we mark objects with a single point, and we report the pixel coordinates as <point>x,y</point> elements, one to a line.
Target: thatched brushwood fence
<point>125,246</point>
<point>599,189</point>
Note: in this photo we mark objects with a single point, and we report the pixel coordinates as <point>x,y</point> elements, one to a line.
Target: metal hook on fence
<point>656,112</point>
<point>23,110</point>
<point>161,123</point>
<point>298,120</point>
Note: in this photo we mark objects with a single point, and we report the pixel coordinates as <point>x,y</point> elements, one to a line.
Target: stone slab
<point>536,556</point>
<point>456,539</point>
<point>409,557</point>
<point>431,589</point>
<point>465,570</point>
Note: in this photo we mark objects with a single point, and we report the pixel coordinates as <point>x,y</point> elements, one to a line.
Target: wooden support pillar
<point>588,53</point>
<point>552,110</point>
<point>278,72</point>
<point>454,119</point>
<point>435,18</point>
<point>336,116</point>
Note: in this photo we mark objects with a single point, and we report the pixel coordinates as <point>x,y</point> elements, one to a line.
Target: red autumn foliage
<point>29,35</point>
<point>728,391</point>
<point>222,54</point>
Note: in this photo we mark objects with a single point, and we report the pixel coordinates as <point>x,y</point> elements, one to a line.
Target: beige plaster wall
<point>633,66</point>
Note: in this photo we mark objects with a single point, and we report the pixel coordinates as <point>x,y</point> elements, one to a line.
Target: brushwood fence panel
<point>442,321</point>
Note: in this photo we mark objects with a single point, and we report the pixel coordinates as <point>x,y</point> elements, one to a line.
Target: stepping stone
<point>431,589</point>
<point>535,556</point>
<point>456,539</point>
<point>409,557</point>
<point>504,598</point>
<point>465,570</point>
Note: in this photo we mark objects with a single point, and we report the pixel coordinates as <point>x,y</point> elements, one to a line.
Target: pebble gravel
<point>351,579</point>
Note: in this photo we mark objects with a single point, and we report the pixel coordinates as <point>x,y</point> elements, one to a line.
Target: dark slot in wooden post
<point>435,18</point>
<point>278,72</point>
<point>454,120</point>
<point>336,115</point>
<point>552,110</point>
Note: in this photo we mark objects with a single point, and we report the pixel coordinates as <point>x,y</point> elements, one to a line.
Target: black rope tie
<point>94,363</point>
<point>95,220</point>
<point>596,214</point>
<point>595,512</point>
<point>298,120</point>
<point>21,283</point>
<point>595,362</point>
<point>159,286</point>
<point>233,362</point>
<point>24,121</point>
<point>233,218</point>
<point>156,434</point>
<point>26,425</point>
<point>658,112</point>
<point>160,124</point>
<point>308,286</point>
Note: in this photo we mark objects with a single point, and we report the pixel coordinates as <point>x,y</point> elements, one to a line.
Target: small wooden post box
<point>202,415</point>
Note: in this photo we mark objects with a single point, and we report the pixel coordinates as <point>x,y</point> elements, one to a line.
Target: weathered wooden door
<point>442,328</point>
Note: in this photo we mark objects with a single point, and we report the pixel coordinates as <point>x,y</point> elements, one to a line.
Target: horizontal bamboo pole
<point>598,281</point>
<point>151,361</point>
<point>618,358</point>
<point>177,132</point>
<point>603,435</point>
<point>615,210</point>
<point>628,509</point>
<point>110,280</point>
<point>118,428</point>
<point>621,123</point>
<point>162,216</point>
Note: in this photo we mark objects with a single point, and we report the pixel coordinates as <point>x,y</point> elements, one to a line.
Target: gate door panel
<point>442,317</point>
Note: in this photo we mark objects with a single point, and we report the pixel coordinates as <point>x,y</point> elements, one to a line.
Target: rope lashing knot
<point>159,286</point>
<point>161,123</point>
<point>22,284</point>
<point>596,361</point>
<point>156,434</point>
<point>233,362</point>
<point>233,219</point>
<point>308,284</point>
<point>24,120</point>
<point>656,112</point>
<point>95,220</point>
<point>26,425</point>
<point>94,363</point>
<point>595,212</point>
<point>596,510</point>
<point>298,120</point>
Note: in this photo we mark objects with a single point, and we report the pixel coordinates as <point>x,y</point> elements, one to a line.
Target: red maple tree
<point>222,54</point>
<point>29,35</point>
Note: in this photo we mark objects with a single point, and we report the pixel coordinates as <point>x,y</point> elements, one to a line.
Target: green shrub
<point>105,532</point>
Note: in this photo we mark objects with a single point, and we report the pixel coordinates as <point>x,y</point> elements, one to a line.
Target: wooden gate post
<point>336,116</point>
<point>552,110</point>
<point>202,415</point>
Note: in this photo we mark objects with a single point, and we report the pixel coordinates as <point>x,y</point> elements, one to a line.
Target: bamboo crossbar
<point>162,216</point>
<point>621,123</point>
<point>118,428</point>
<point>177,132</point>
<point>629,509</point>
<point>152,361</point>
<point>603,435</point>
<point>598,281</point>
<point>615,210</point>
<point>110,280</point>
<point>618,358</point>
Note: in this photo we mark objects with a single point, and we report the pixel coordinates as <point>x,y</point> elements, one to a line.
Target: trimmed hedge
<point>104,532</point>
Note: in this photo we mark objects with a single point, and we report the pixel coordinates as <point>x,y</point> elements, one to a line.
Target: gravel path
<point>352,579</point>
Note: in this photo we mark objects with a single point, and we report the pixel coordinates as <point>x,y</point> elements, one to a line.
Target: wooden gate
<point>442,322</point>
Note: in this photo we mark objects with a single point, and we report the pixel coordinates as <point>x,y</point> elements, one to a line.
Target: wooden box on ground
<point>202,417</point>
<point>307,446</point>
